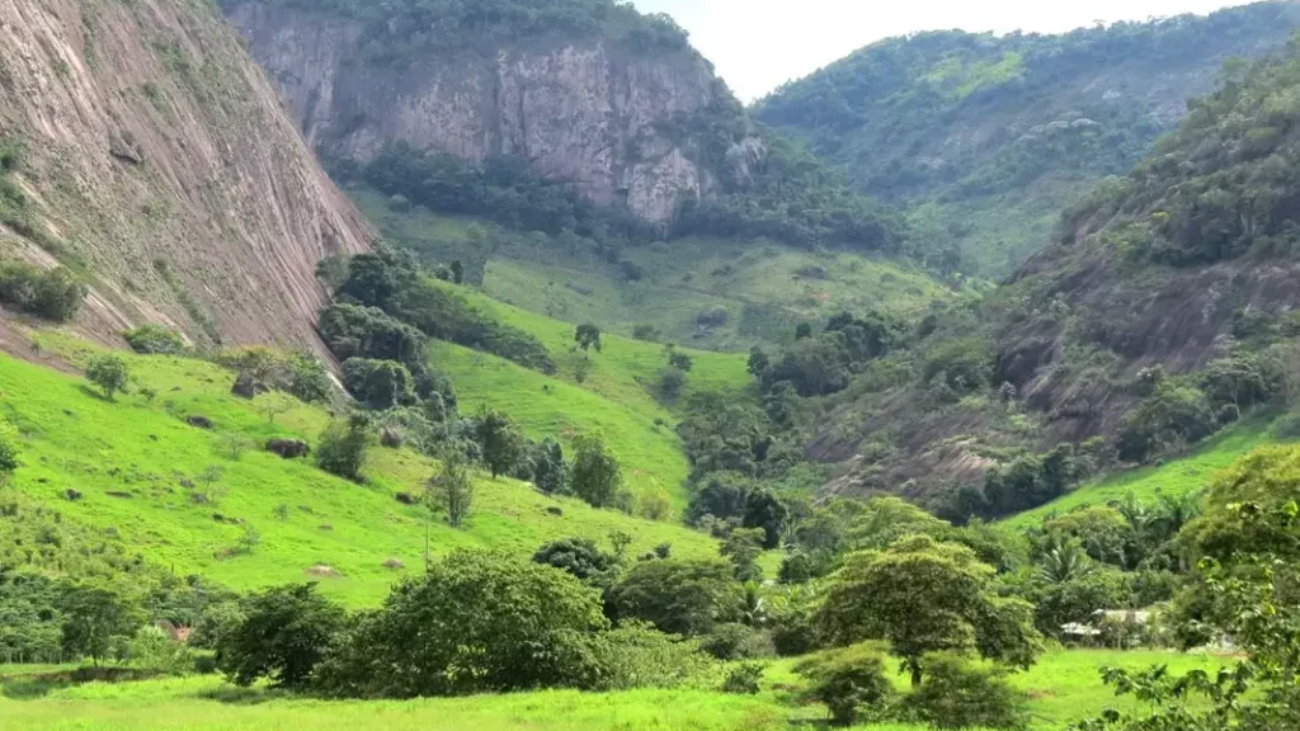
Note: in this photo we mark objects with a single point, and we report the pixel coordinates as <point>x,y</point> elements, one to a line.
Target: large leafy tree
<point>95,621</point>
<point>679,597</point>
<point>501,441</point>
<point>110,373</point>
<point>284,634</point>
<point>924,596</point>
<point>476,622</point>
<point>595,476</point>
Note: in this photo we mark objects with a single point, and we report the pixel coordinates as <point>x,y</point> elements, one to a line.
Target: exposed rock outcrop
<point>590,113</point>
<point>159,161</point>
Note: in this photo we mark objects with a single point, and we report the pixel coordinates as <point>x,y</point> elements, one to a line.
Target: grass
<point>766,288</point>
<point>1064,687</point>
<point>1177,477</point>
<point>146,454</point>
<point>615,397</point>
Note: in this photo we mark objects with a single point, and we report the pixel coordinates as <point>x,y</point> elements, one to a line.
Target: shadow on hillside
<point>97,395</point>
<point>235,696</point>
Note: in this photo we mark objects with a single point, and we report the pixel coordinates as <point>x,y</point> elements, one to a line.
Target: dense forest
<point>959,125</point>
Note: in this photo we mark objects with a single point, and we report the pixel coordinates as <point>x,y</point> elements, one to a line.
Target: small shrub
<point>744,678</point>
<point>851,682</point>
<point>736,642</point>
<point>8,449</point>
<point>672,382</point>
<point>958,693</point>
<point>110,373</point>
<point>343,446</point>
<point>154,339</point>
<point>646,333</point>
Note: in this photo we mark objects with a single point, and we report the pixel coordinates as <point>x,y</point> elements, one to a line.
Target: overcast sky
<point>760,44</point>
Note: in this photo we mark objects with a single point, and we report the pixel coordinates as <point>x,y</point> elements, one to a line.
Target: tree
<point>310,381</point>
<point>681,361</point>
<point>371,281</point>
<point>678,597</point>
<point>95,621</point>
<point>803,331</point>
<point>743,547</point>
<point>343,446</point>
<point>759,363</point>
<point>765,511</point>
<point>283,635</point>
<point>596,476</point>
<point>501,441</point>
<point>110,373</point>
<point>849,681</point>
<point>587,337</point>
<point>452,491</point>
<point>924,596</point>
<point>579,557</point>
<point>549,469</point>
<point>477,622</point>
<point>379,384</point>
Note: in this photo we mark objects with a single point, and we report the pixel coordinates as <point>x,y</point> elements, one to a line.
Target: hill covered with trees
<point>985,138</point>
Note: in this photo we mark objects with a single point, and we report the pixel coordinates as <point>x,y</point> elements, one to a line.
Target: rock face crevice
<point>590,114</point>
<point>163,168</point>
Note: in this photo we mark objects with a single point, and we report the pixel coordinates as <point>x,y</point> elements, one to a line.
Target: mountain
<point>1164,312</point>
<point>145,152</point>
<point>587,91</point>
<point>985,138</point>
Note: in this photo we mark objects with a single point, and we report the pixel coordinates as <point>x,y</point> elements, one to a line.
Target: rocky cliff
<point>587,110</point>
<point>158,164</point>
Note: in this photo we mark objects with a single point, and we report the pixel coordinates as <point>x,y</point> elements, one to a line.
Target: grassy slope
<point>763,294</point>
<point>74,439</point>
<point>1063,687</point>
<point>1177,477</point>
<point>614,399</point>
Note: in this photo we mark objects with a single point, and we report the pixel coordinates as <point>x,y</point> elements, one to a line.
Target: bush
<point>852,682</point>
<point>965,365</point>
<point>343,446</point>
<point>578,557</point>
<point>636,655</point>
<point>743,679</point>
<point>737,642</point>
<point>154,339</point>
<point>153,649</point>
<point>679,597</point>
<point>8,450</point>
<point>53,295</point>
<point>672,382</point>
<point>283,635</point>
<point>957,693</point>
<point>476,622</point>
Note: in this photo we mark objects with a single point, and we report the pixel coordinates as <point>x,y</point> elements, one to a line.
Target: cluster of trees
<point>53,294</point>
<point>503,189</point>
<point>823,363</point>
<point>404,32</point>
<point>387,305</point>
<point>1185,207</point>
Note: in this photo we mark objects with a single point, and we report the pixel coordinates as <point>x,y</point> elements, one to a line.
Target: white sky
<point>759,44</point>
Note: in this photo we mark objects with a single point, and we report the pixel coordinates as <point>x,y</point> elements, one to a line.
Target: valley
<point>444,364</point>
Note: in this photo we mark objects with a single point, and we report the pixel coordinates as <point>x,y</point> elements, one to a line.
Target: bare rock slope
<point>159,164</point>
<point>589,112</point>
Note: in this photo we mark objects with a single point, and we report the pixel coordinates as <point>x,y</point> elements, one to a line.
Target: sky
<point>757,45</point>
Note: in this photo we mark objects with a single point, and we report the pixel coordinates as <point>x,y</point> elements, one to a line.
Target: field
<point>1063,687</point>
<point>141,469</point>
<point>1176,477</point>
<point>765,289</point>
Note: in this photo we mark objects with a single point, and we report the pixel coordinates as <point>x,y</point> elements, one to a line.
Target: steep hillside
<point>585,91</point>
<point>1164,314</point>
<point>147,153</point>
<point>986,138</point>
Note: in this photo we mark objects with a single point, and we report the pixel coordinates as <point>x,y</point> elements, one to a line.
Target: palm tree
<point>1065,562</point>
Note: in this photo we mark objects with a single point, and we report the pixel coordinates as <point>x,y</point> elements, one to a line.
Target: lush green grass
<point>765,288</point>
<point>1177,477</point>
<point>146,452</point>
<point>615,397</point>
<point>1063,687</point>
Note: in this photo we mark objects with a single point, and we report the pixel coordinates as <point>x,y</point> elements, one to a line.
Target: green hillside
<point>764,288</point>
<point>146,454</point>
<point>985,138</point>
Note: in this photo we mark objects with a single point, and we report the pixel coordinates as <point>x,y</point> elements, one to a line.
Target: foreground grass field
<point>139,467</point>
<point>1063,687</point>
<point>764,288</point>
